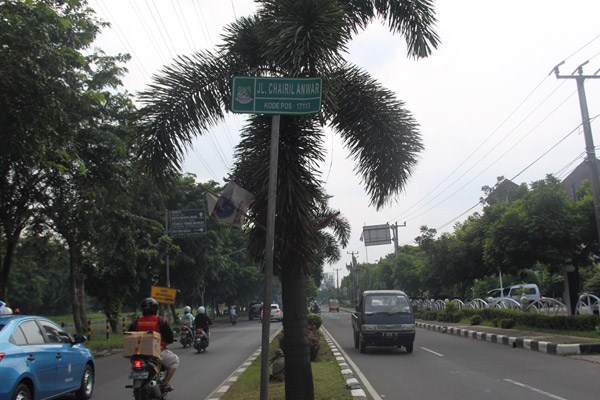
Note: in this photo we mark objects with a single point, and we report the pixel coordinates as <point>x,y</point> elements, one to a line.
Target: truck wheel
<point>362,346</point>
<point>355,340</point>
<point>409,348</point>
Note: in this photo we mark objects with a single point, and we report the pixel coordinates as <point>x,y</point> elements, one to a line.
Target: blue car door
<point>40,360</point>
<point>69,362</point>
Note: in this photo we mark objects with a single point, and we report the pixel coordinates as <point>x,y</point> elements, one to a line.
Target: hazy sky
<point>486,101</point>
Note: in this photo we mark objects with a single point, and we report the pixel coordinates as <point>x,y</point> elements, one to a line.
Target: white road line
<point>432,352</point>
<point>552,396</point>
<point>365,383</point>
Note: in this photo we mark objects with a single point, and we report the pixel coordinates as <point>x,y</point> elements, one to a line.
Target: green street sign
<point>283,96</point>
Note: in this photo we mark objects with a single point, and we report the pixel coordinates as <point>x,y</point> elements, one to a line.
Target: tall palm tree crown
<point>294,38</point>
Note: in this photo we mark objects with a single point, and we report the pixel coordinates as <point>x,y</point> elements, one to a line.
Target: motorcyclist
<point>152,322</point>
<point>314,308</point>
<point>202,321</point>
<point>233,311</point>
<point>187,318</point>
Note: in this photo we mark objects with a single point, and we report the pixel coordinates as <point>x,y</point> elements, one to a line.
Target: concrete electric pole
<point>337,281</point>
<point>571,273</point>
<point>395,238</point>
<point>355,269</point>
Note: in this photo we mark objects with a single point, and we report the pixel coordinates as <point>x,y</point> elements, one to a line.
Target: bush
<point>314,341</point>
<point>476,319</point>
<point>507,323</point>
<point>315,320</point>
<point>586,322</point>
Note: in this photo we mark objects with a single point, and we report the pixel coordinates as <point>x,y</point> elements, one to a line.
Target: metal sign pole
<point>167,233</point>
<point>269,250</point>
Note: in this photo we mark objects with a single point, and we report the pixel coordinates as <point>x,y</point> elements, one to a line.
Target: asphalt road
<point>453,367</point>
<point>198,373</point>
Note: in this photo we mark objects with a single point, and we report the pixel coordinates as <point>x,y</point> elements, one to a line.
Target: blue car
<point>40,360</point>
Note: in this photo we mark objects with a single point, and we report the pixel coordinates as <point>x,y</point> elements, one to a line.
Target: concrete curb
<point>352,383</point>
<point>515,342</point>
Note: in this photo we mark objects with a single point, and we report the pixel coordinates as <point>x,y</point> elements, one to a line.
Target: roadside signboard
<point>276,96</point>
<point>187,223</point>
<point>163,294</point>
<point>374,235</point>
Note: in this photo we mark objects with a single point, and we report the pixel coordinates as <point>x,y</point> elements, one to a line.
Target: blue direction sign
<point>277,96</point>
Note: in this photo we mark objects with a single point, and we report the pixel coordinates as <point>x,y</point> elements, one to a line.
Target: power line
<point>407,213</point>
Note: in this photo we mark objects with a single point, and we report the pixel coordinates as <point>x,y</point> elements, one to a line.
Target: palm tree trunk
<point>298,371</point>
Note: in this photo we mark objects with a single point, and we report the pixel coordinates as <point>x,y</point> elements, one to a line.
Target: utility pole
<point>355,275</point>
<point>571,273</point>
<point>395,238</point>
<point>337,281</point>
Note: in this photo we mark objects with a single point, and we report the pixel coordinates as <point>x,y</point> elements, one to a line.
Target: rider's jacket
<point>153,323</point>
<point>202,321</point>
<point>187,319</point>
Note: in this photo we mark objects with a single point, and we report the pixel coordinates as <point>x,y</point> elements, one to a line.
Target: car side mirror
<point>79,338</point>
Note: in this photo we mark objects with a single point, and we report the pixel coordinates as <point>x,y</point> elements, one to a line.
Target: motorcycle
<point>315,309</point>
<point>148,376</point>
<point>233,319</point>
<point>201,340</point>
<point>187,336</point>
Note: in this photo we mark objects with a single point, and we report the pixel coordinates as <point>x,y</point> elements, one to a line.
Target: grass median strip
<point>327,378</point>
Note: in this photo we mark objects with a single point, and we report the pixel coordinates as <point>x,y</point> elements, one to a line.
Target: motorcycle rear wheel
<point>138,394</point>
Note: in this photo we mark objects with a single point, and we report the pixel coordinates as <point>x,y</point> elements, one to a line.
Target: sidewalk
<point>542,342</point>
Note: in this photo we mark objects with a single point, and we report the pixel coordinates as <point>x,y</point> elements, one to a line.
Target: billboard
<point>374,235</point>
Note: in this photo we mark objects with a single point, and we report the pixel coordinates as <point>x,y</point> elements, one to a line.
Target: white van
<point>530,290</point>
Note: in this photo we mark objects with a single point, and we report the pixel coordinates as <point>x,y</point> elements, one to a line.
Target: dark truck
<point>383,318</point>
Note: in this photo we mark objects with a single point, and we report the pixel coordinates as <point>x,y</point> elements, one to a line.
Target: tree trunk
<point>298,372</point>
<point>5,263</point>
<point>77,289</point>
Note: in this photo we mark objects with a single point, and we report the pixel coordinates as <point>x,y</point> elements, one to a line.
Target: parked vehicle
<point>254,311</point>
<point>383,318</point>
<point>276,313</point>
<point>62,364</point>
<point>334,305</point>
<point>187,336</point>
<point>148,376</point>
<point>529,290</point>
<point>201,340</point>
<point>495,295</point>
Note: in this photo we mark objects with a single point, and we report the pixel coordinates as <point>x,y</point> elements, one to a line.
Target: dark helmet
<point>149,306</point>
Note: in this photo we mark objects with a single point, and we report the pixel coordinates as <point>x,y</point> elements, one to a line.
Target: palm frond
<point>381,135</point>
<point>183,101</point>
<point>300,35</point>
<point>413,19</point>
<point>300,150</point>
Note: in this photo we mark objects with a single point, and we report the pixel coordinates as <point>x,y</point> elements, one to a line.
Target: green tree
<point>538,228</point>
<point>40,44</point>
<point>295,39</point>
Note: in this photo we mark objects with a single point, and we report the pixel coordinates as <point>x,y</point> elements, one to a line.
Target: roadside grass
<point>328,380</point>
<point>581,334</point>
<point>97,341</point>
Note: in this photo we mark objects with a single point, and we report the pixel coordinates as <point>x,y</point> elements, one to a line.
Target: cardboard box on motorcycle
<point>144,343</point>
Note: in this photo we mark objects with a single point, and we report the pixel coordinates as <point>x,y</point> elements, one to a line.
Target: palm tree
<point>294,38</point>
